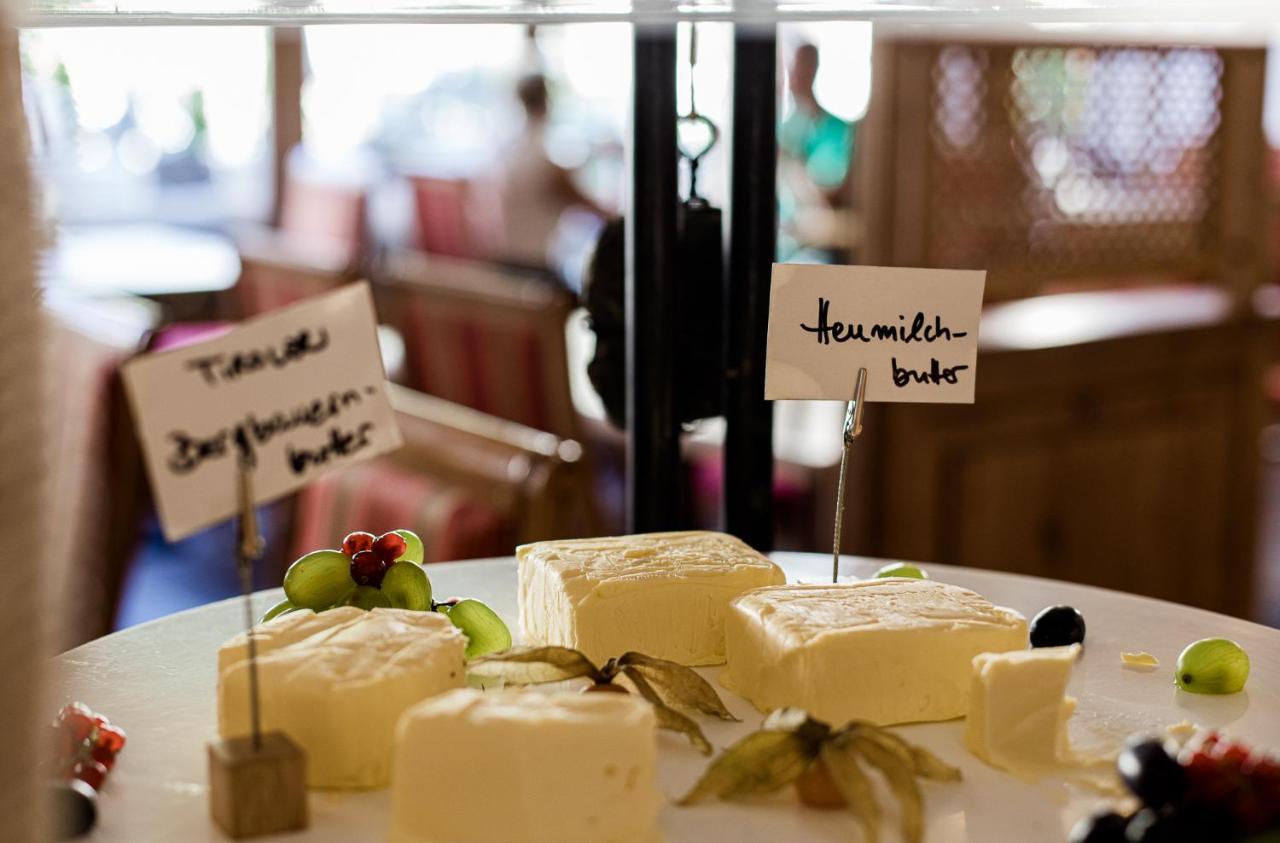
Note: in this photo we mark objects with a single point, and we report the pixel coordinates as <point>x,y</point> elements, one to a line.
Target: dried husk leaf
<point>534,665</point>
<point>679,686</point>
<point>900,775</point>
<point>854,785</point>
<point>668,718</point>
<point>759,763</point>
<point>922,762</point>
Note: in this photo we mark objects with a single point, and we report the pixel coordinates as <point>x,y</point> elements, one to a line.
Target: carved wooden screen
<point>1052,163</point>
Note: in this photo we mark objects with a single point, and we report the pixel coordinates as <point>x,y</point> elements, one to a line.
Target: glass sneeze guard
<point>133,12</point>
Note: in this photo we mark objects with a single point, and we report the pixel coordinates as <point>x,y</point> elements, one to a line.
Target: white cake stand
<point>157,681</point>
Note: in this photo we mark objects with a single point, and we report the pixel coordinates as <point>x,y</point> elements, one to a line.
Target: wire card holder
<point>852,430</point>
<point>257,782</point>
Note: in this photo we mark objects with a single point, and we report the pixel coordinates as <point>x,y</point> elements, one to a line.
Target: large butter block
<point>522,766</point>
<point>337,682</point>
<point>888,650</point>
<point>662,594</point>
<point>1018,709</point>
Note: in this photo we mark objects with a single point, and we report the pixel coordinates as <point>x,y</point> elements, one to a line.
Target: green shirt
<point>822,142</point>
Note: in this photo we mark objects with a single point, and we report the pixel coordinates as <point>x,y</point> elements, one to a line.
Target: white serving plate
<point>157,681</point>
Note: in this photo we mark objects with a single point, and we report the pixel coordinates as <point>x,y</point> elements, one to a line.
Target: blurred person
<point>537,198</point>
<point>815,148</point>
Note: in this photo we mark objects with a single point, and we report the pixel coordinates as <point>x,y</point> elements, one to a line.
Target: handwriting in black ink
<point>217,368</point>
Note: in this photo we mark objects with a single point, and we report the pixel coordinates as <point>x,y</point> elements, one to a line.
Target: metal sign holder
<point>257,782</point>
<point>852,430</point>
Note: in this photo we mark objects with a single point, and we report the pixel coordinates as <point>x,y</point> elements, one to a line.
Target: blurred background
<point>1123,194</point>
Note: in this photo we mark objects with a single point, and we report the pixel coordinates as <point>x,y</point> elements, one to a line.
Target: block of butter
<point>890,650</point>
<point>1018,709</point>
<point>523,766</point>
<point>336,683</point>
<point>661,594</point>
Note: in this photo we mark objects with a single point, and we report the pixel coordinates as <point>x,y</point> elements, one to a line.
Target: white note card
<point>298,392</point>
<point>914,330</point>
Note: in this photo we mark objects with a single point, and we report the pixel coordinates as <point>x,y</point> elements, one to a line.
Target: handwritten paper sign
<point>296,392</point>
<point>915,331</point>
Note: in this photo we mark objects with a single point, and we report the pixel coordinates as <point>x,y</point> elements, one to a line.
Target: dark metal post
<point>653,444</point>
<point>748,444</point>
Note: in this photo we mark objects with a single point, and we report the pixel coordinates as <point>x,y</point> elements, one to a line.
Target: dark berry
<point>367,568</point>
<point>1151,826</point>
<point>1151,773</point>
<point>1104,827</point>
<point>356,542</point>
<point>1057,626</point>
<point>74,807</point>
<point>389,546</point>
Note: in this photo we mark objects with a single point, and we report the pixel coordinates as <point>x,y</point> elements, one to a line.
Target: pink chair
<point>443,218</point>
<point>483,337</point>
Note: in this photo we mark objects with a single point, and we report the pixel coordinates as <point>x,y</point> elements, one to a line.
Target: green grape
<point>281,608</point>
<point>486,633</point>
<point>367,597</point>
<point>407,587</point>
<point>902,569</point>
<point>1212,666</point>
<point>413,551</point>
<point>319,579</point>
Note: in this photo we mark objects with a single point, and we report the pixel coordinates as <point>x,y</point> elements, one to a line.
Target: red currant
<point>1232,753</point>
<point>367,568</point>
<point>91,773</point>
<point>356,542</point>
<point>111,738</point>
<point>79,725</point>
<point>103,756</point>
<point>389,546</point>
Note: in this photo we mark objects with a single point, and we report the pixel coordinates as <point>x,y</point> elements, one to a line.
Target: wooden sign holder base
<point>257,790</point>
<point>257,782</point>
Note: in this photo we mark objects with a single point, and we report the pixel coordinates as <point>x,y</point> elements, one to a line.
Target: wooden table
<point>157,680</point>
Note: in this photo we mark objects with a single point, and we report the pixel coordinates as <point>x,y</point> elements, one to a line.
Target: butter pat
<point>337,682</point>
<point>1018,709</point>
<point>662,594</point>
<point>522,766</point>
<point>891,650</point>
<point>1139,661</point>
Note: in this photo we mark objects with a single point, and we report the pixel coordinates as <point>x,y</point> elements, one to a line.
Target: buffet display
<point>555,737</point>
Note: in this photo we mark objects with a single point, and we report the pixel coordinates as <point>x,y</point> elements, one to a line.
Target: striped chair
<point>443,217</point>
<point>278,268</point>
<point>484,337</point>
<point>469,484</point>
<point>97,486</point>
<point>314,211</point>
<point>380,496</point>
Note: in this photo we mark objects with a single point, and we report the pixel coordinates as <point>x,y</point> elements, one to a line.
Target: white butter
<point>1018,709</point>
<point>523,766</point>
<point>890,650</point>
<point>662,594</point>
<point>336,683</point>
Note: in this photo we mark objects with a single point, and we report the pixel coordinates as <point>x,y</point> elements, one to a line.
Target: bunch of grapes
<point>1212,789</point>
<point>382,572</point>
<point>369,572</point>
